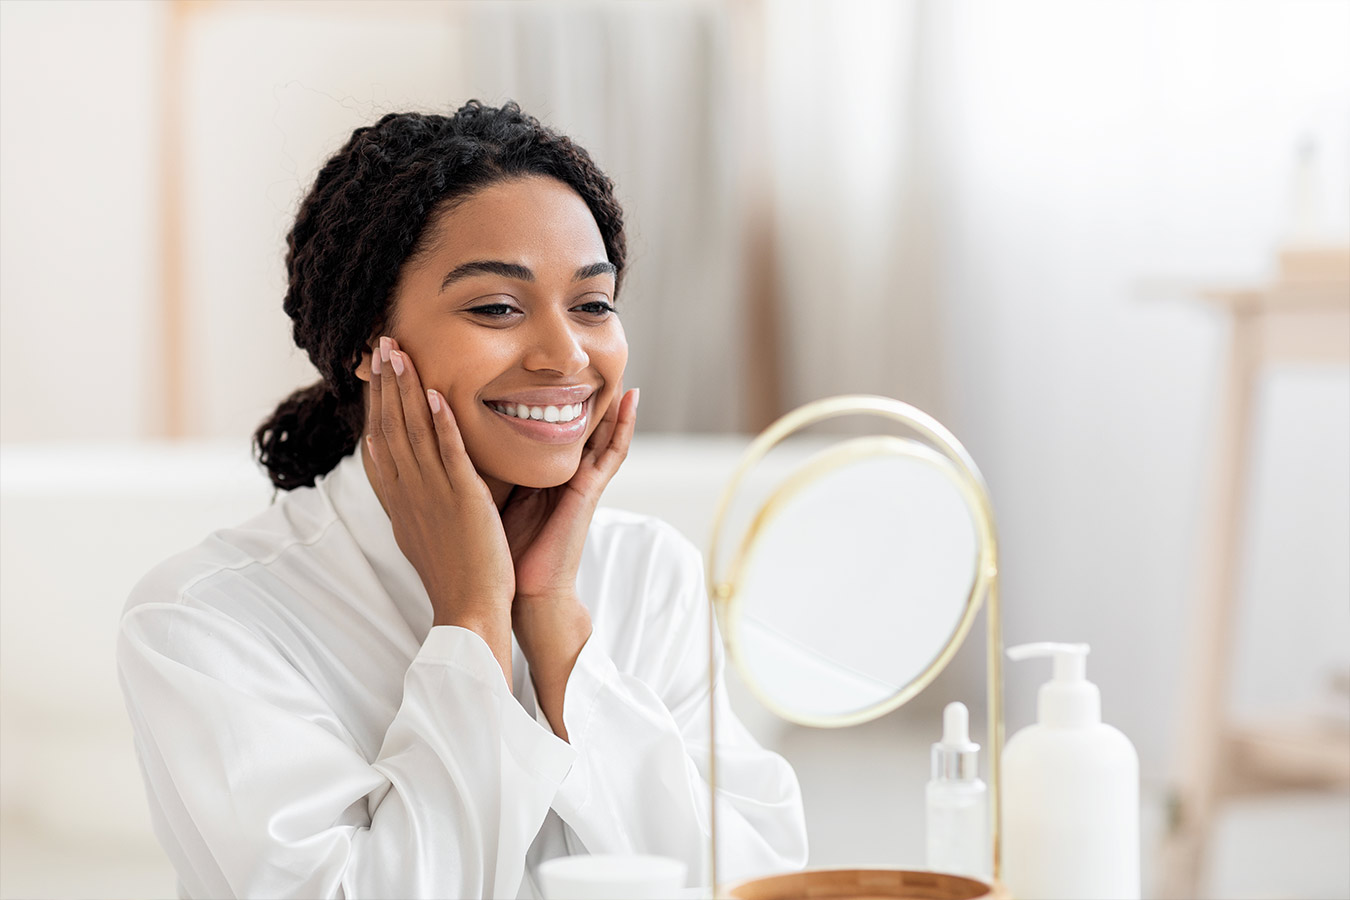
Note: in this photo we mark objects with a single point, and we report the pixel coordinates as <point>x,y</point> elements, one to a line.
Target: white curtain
<point>850,190</point>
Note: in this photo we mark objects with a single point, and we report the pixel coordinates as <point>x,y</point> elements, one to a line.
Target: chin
<point>543,476</point>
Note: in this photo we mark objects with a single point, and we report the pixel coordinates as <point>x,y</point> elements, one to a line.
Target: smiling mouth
<point>551,414</point>
<point>565,424</point>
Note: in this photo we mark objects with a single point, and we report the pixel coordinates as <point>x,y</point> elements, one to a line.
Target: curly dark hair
<point>364,219</point>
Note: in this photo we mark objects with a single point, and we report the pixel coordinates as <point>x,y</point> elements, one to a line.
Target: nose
<point>556,344</point>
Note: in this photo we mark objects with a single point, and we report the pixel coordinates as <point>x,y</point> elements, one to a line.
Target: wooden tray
<point>865,884</point>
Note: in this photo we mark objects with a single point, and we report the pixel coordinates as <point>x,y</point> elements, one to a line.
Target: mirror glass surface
<point>857,578</point>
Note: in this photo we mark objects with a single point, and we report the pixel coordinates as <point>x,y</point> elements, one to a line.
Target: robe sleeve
<point>639,783</point>
<point>257,789</point>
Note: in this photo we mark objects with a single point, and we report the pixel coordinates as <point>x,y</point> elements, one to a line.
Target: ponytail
<point>308,434</point>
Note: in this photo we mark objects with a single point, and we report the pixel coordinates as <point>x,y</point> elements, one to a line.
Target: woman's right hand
<point>442,512</point>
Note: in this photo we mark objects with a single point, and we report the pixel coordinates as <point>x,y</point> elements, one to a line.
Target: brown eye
<point>597,308</point>
<point>493,310</point>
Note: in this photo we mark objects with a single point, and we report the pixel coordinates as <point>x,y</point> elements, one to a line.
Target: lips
<point>542,397</point>
<point>541,429</point>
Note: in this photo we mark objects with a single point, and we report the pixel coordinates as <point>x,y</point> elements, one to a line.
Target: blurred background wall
<point>995,211</point>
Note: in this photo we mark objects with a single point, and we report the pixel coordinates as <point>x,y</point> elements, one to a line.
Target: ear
<point>363,366</point>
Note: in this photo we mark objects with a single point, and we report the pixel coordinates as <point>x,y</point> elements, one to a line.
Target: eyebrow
<point>594,269</point>
<point>519,272</point>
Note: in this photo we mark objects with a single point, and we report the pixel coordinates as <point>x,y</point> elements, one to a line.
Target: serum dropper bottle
<point>958,802</point>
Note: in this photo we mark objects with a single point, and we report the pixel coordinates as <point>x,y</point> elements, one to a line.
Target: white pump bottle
<point>1070,792</point>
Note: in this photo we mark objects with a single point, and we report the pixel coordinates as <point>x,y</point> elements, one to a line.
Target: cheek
<point>611,354</point>
<point>460,373</point>
<point>610,358</point>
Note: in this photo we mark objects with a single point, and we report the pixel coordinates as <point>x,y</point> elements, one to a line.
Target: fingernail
<point>434,399</point>
<point>384,349</point>
<point>375,364</point>
<point>637,397</point>
<point>396,359</point>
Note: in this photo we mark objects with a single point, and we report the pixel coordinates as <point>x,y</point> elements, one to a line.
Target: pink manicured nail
<point>384,349</point>
<point>375,364</point>
<point>434,399</point>
<point>637,396</point>
<point>396,360</point>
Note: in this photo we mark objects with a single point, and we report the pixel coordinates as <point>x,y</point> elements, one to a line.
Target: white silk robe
<point>304,731</point>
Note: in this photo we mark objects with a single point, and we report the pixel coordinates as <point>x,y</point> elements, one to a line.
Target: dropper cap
<point>955,758</point>
<point>1068,699</point>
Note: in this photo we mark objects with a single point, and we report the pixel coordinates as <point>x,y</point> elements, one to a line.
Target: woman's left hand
<point>546,530</point>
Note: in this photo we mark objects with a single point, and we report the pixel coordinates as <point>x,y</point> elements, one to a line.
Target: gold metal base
<point>865,884</point>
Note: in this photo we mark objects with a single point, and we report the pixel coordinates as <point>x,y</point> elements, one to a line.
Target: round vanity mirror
<point>860,573</point>
<point>856,573</point>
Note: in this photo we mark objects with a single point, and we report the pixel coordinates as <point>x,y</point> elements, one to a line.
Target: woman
<point>434,663</point>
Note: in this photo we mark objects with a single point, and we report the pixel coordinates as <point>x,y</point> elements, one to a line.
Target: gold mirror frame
<point>722,593</point>
<point>834,458</point>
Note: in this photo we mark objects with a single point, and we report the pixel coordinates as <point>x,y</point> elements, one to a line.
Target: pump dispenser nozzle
<point>1068,698</point>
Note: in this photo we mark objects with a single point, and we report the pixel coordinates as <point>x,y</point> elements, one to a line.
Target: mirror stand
<point>943,451</point>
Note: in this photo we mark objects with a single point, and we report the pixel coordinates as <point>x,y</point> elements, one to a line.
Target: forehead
<point>531,220</point>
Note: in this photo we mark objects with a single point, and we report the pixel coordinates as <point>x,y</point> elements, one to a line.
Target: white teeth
<point>553,414</point>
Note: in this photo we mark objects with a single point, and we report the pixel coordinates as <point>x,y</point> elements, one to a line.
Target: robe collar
<point>354,500</point>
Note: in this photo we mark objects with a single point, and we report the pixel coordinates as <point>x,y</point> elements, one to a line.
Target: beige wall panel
<point>77,219</point>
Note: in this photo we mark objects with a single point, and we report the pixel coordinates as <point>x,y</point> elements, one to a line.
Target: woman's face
<point>512,309</point>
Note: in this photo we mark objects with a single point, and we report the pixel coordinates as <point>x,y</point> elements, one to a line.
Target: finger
<point>392,429</point>
<point>601,436</point>
<point>617,449</point>
<point>417,423</point>
<point>449,442</point>
<point>375,442</point>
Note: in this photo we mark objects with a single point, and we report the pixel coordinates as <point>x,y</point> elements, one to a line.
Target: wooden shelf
<point>1282,754</point>
<point>1301,317</point>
